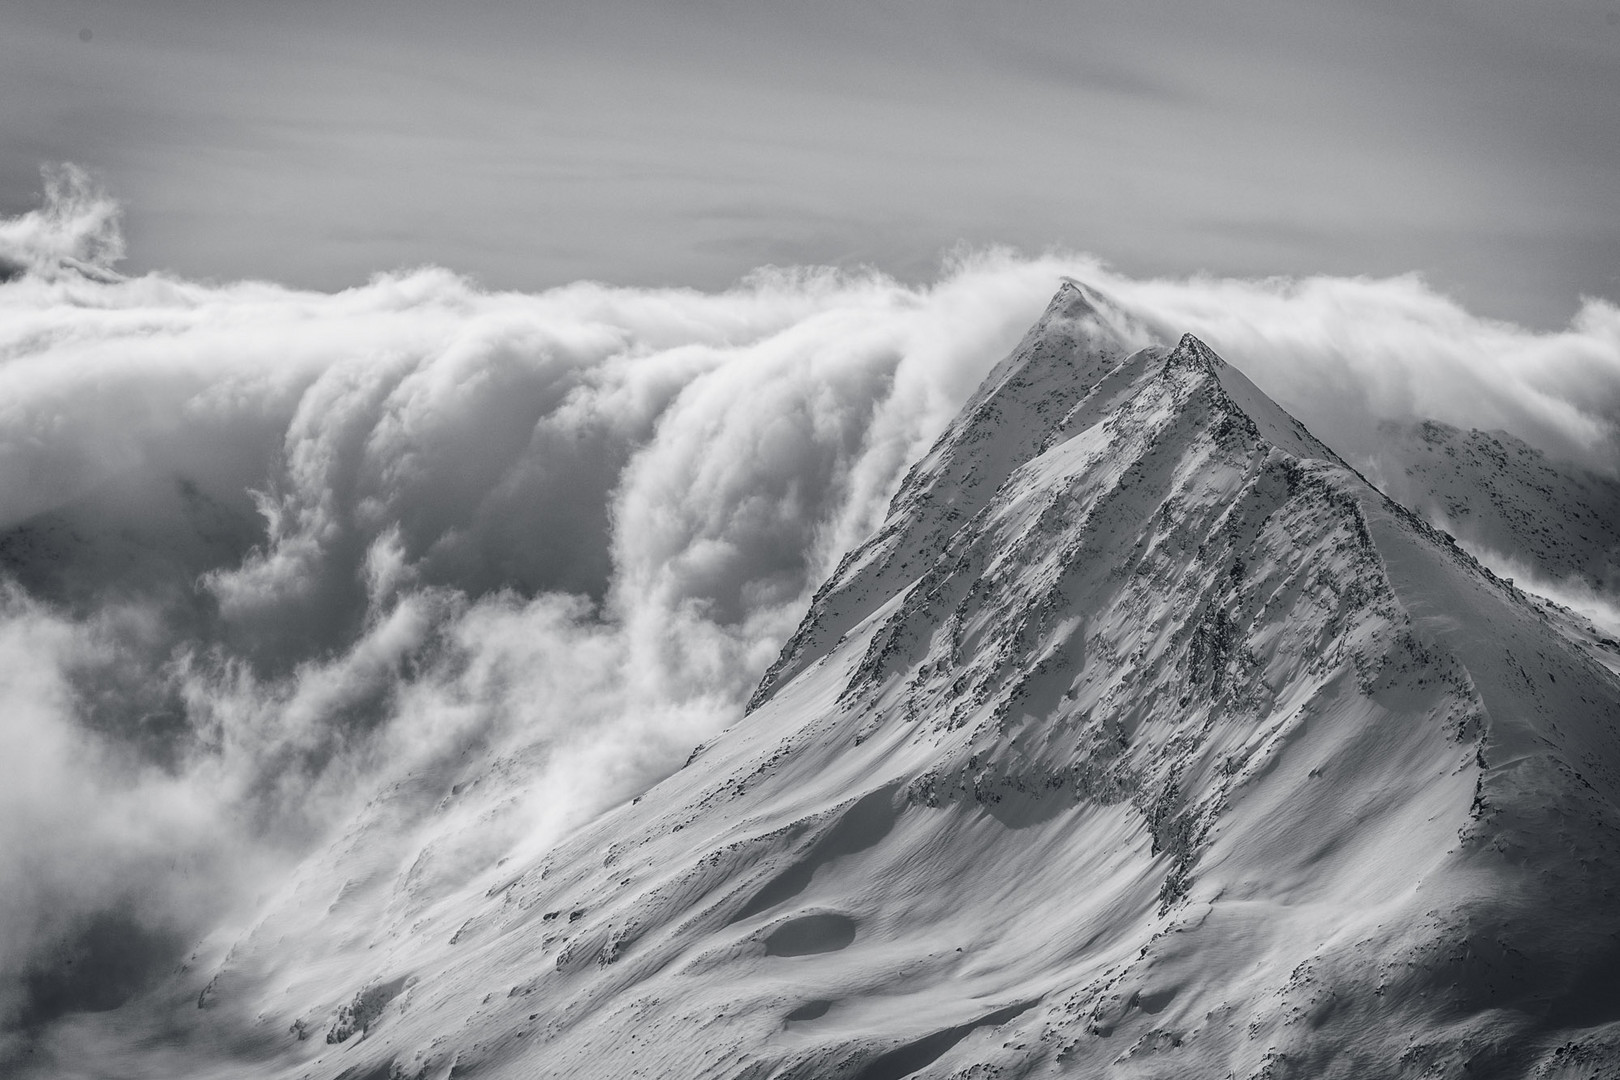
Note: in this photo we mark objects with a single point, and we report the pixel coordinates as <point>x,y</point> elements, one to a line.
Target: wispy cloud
<point>77,228</point>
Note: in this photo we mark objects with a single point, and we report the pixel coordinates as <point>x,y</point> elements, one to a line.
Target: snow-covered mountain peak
<point>1081,349</point>
<point>1194,353</point>
<point>1081,363</point>
<point>1145,738</point>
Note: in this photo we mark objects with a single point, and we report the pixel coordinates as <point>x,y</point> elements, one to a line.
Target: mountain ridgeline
<point>1145,739</point>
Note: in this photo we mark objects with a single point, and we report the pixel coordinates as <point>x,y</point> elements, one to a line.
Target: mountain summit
<point>1145,738</point>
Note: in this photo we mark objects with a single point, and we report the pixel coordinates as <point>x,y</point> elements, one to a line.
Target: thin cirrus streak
<point>270,553</point>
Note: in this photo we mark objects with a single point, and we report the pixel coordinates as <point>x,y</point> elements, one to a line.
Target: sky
<point>533,144</point>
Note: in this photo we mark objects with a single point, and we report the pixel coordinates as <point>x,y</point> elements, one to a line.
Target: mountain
<point>1145,738</point>
<point>1509,503</point>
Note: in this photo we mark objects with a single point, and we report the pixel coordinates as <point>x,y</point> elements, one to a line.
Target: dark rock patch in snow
<point>358,1015</point>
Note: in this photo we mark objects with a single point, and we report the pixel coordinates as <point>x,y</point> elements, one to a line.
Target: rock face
<point>1146,738</point>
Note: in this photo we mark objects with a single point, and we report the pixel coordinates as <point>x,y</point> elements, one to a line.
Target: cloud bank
<point>274,559</point>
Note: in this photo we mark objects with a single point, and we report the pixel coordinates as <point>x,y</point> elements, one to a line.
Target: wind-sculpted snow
<point>1181,751</point>
<point>332,624</point>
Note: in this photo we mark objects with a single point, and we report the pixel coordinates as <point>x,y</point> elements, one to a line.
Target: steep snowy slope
<point>1074,351</point>
<point>1144,739</point>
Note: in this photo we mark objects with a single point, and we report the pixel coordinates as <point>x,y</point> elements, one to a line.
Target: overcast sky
<point>533,143</point>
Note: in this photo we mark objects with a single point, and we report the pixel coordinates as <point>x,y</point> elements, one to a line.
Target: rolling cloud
<point>77,228</point>
<point>276,558</point>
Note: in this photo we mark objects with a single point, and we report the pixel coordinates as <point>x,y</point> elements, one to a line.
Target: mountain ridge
<point>1074,317</point>
<point>1145,738</point>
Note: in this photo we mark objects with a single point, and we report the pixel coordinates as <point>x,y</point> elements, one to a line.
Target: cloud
<point>1345,353</point>
<point>1600,610</point>
<point>109,863</point>
<point>468,566</point>
<point>77,229</point>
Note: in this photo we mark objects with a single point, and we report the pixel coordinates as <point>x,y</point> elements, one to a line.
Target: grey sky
<point>1476,141</point>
